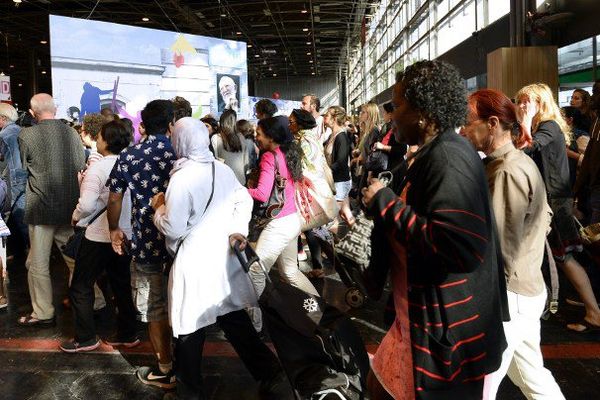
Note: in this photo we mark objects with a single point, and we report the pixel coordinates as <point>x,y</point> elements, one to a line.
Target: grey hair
<point>8,111</point>
<point>43,103</point>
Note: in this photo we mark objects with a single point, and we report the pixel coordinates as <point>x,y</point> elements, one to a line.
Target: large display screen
<point>99,64</point>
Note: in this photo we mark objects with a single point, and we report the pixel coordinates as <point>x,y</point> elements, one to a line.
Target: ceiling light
<point>18,1</point>
<point>43,41</point>
<point>304,29</point>
<point>309,43</point>
<point>223,15</point>
<point>44,72</point>
<point>310,61</point>
<point>238,33</point>
<point>145,19</point>
<point>12,66</point>
<point>274,74</point>
<point>256,55</point>
<point>312,73</point>
<point>20,84</point>
<point>304,11</point>
<point>308,54</point>
<point>249,45</point>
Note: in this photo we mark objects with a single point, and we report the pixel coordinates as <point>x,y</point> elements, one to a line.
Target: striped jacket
<point>52,154</point>
<point>457,292</point>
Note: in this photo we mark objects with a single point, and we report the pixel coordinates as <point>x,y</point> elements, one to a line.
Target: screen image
<point>98,65</point>
<point>229,96</point>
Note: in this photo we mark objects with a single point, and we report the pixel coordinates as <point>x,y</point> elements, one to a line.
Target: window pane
<point>498,9</point>
<point>575,57</point>
<point>456,28</point>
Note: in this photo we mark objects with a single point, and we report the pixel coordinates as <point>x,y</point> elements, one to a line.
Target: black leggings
<point>256,356</point>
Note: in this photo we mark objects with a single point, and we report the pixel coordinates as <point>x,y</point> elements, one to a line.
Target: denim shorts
<point>149,289</point>
<point>342,190</point>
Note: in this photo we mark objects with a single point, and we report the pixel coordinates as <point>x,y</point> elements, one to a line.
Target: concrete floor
<point>32,367</point>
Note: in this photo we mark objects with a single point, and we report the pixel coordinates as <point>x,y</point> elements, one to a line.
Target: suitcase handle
<point>246,257</point>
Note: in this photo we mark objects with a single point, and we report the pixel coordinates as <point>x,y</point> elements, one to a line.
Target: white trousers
<point>38,267</point>
<point>522,360</point>
<point>277,243</point>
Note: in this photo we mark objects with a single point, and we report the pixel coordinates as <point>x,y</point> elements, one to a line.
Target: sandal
<point>29,320</point>
<point>587,327</point>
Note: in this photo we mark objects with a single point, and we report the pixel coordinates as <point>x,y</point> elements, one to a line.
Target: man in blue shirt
<point>15,175</point>
<point>144,169</point>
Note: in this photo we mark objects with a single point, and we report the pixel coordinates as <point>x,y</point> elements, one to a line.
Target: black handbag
<point>377,161</point>
<point>263,213</point>
<point>71,248</point>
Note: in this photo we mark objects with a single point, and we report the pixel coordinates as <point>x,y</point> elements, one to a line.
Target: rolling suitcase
<point>319,348</point>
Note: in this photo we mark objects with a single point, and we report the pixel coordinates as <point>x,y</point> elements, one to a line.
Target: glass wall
<point>405,31</point>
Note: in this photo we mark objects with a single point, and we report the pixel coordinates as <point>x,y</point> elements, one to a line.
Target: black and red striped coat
<point>457,293</point>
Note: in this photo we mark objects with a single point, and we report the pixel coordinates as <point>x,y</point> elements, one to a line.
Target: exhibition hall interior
<point>299,199</point>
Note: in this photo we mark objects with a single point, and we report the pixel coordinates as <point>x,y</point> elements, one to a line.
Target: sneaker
<point>73,346</point>
<point>302,255</point>
<point>117,340</point>
<point>153,376</point>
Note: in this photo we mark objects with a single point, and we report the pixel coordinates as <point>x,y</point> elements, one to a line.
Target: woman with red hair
<point>523,216</point>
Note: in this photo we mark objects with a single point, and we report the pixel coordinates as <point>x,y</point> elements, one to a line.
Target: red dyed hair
<point>487,103</point>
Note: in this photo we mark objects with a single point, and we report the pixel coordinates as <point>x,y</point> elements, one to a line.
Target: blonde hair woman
<point>549,137</point>
<point>368,121</point>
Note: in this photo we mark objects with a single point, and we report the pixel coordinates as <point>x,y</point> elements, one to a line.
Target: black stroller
<point>321,351</point>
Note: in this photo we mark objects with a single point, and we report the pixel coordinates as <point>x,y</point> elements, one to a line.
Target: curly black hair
<point>437,90</point>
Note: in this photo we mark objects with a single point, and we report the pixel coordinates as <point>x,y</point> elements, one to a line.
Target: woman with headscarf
<point>278,240</point>
<point>205,209</point>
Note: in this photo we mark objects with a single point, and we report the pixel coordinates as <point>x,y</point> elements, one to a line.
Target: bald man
<point>52,154</point>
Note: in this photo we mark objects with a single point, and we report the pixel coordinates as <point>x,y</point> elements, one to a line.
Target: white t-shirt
<point>94,196</point>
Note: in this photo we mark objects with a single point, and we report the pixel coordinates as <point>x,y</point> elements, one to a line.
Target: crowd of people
<point>484,192</point>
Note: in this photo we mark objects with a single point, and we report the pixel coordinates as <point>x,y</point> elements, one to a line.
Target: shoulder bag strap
<point>212,190</point>
<point>554,284</point>
<point>276,163</point>
<point>95,217</point>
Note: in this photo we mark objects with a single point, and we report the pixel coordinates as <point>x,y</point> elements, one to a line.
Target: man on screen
<point>228,92</point>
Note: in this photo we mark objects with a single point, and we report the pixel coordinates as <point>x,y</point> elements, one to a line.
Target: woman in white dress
<point>206,208</point>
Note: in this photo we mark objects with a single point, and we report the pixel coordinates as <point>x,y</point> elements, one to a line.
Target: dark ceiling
<point>285,37</point>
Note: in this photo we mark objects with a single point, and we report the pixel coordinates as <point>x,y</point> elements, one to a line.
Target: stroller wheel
<point>354,297</point>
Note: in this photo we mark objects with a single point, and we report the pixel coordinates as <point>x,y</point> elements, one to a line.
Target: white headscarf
<point>190,141</point>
